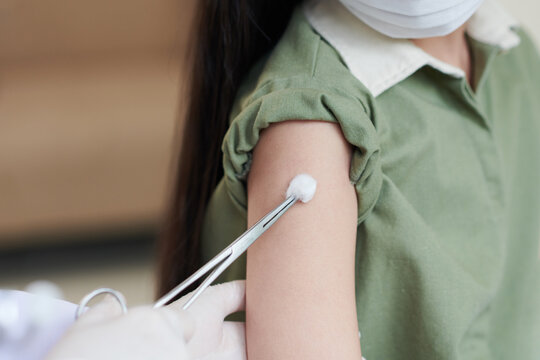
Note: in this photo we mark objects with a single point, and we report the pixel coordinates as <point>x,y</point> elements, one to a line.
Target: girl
<point>419,120</point>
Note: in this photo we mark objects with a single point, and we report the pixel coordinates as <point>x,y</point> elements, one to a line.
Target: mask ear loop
<point>88,297</point>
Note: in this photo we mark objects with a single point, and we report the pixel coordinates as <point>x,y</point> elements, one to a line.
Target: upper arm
<point>300,290</point>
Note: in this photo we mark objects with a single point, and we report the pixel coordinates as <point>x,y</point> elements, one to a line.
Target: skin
<point>300,289</point>
<point>300,300</point>
<point>452,49</point>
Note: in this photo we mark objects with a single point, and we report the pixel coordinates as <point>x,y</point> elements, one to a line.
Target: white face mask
<point>413,19</point>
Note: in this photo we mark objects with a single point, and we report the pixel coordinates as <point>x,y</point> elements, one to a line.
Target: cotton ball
<point>303,186</point>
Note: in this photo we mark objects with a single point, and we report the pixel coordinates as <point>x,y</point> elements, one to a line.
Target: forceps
<point>219,263</point>
<point>226,257</point>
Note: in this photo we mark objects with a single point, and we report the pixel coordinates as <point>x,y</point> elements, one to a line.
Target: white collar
<point>380,62</point>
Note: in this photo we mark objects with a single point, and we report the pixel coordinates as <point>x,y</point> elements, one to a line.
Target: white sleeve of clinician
<point>199,332</point>
<point>30,323</point>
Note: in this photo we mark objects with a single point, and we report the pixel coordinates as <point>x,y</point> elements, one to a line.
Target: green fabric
<point>447,183</point>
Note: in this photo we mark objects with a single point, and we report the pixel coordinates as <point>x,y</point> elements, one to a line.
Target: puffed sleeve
<point>302,99</point>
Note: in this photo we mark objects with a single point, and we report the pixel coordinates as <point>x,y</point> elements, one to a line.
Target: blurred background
<point>89,93</point>
<point>89,96</point>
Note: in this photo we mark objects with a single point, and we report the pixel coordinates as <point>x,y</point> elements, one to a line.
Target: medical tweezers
<point>226,257</point>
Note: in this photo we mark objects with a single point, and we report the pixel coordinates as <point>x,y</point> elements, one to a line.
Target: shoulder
<point>303,78</point>
<point>527,47</point>
<point>523,61</point>
<point>301,61</point>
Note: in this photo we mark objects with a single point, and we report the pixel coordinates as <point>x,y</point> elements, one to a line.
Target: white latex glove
<point>166,333</point>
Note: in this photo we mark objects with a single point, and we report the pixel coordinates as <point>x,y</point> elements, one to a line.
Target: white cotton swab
<point>303,187</point>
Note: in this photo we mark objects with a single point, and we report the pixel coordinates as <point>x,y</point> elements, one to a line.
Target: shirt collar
<point>380,62</point>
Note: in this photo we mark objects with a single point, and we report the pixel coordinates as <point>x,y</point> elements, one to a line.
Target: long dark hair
<point>230,36</point>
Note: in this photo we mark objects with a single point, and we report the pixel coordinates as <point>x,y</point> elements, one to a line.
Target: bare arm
<point>300,299</point>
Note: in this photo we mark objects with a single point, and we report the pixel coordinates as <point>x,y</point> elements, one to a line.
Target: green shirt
<point>447,256</point>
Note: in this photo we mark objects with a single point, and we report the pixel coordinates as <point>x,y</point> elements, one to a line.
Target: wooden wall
<point>89,93</point>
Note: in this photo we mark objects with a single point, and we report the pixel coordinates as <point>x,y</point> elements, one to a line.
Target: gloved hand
<point>199,332</point>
